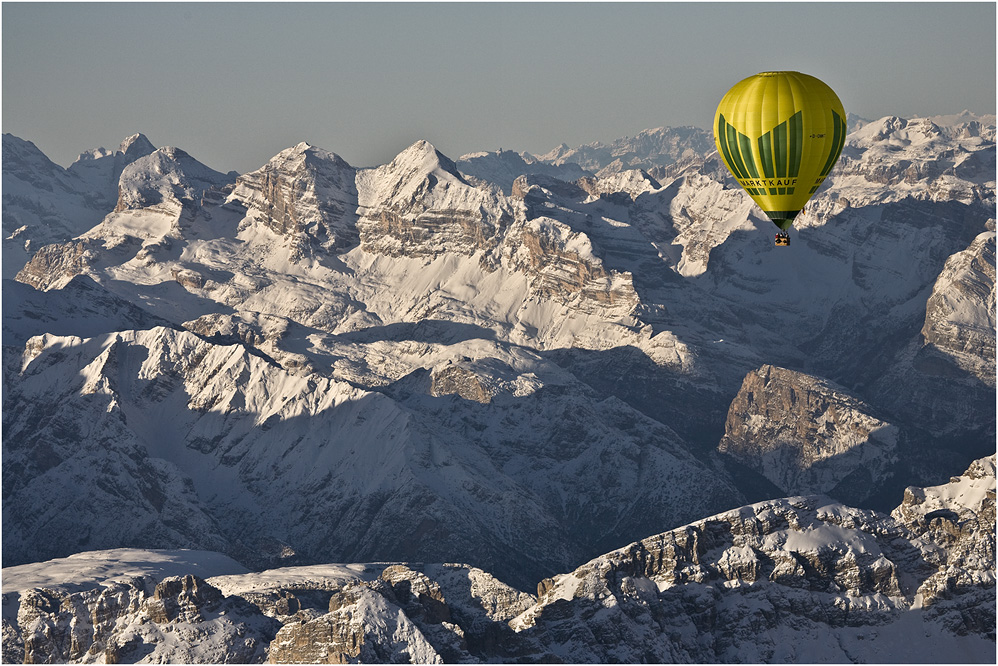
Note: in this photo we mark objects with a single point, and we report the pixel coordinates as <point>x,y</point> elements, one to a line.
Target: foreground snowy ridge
<point>797,579</point>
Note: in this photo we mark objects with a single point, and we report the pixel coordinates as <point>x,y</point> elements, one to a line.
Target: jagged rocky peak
<point>167,176</point>
<point>970,496</point>
<point>304,155</point>
<point>557,154</point>
<point>417,162</point>
<point>183,598</point>
<point>449,613</point>
<point>417,175</point>
<point>924,126</point>
<point>101,168</point>
<point>415,592</point>
<point>752,544</point>
<point>304,193</point>
<point>809,435</point>
<point>854,121</point>
<point>420,205</point>
<point>131,148</point>
<point>44,203</point>
<point>960,313</point>
<point>901,132</point>
<point>132,619</point>
<point>918,158</point>
<point>136,146</point>
<point>510,157</point>
<point>24,160</point>
<point>880,130</point>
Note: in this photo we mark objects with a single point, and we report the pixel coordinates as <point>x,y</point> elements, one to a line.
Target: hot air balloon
<point>780,133</point>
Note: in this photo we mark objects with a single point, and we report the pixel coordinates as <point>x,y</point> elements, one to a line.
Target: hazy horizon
<point>235,83</point>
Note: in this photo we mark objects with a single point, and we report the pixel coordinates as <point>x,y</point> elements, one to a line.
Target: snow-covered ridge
<point>94,569</point>
<point>762,581</point>
<point>825,564</point>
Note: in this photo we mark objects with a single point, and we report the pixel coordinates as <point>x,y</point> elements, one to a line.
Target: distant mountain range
<point>516,362</point>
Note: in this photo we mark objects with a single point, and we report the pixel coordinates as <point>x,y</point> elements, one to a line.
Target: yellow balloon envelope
<point>780,133</point>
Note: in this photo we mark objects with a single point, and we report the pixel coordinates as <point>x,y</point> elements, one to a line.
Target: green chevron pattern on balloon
<point>838,141</point>
<point>780,151</point>
<point>737,149</point>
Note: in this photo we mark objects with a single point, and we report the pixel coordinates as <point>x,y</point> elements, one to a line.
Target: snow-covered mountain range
<point>510,361</point>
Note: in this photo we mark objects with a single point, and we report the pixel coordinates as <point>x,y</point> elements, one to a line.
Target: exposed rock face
<point>808,435</point>
<point>958,517</point>
<point>691,215</point>
<point>70,627</point>
<point>332,638</point>
<point>417,594</point>
<point>465,383</point>
<point>561,261</point>
<point>943,379</point>
<point>303,193</point>
<point>750,584</point>
<point>55,265</point>
<point>403,616</point>
<point>960,313</point>
<point>419,205</point>
<point>182,599</point>
<point>184,620</point>
<point>566,269</point>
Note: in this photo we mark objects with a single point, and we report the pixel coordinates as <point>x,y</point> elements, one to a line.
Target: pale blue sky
<point>235,83</point>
